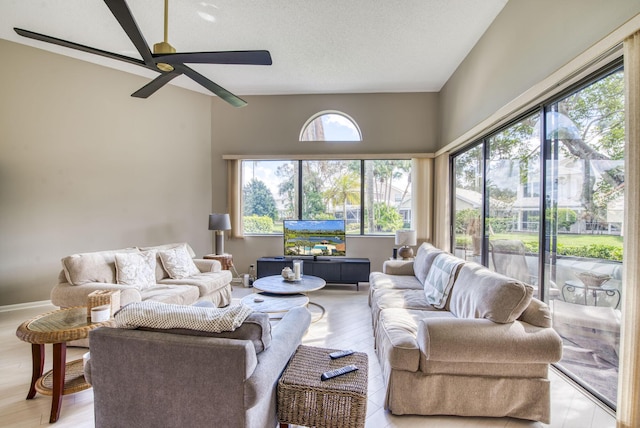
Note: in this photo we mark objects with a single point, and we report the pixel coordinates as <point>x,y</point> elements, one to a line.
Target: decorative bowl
<point>592,279</point>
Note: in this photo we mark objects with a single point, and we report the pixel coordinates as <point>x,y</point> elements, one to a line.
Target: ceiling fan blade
<point>77,46</point>
<point>157,83</point>
<point>213,87</point>
<point>122,13</point>
<point>260,57</point>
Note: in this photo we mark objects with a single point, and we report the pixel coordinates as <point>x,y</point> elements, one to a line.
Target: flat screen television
<point>314,238</point>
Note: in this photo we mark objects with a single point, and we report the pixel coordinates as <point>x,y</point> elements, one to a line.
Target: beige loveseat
<point>454,338</point>
<point>165,273</point>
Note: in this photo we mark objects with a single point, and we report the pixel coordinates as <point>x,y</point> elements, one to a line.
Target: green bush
<point>591,251</point>
<point>258,224</point>
<point>594,251</point>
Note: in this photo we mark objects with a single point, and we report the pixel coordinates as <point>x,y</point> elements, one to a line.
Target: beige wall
<point>527,42</point>
<point>84,166</point>
<point>270,125</point>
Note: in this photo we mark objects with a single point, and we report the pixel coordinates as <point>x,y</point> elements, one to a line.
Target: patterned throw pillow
<point>178,263</point>
<point>137,269</point>
<point>440,279</point>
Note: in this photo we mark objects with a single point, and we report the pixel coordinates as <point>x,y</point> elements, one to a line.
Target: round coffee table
<point>274,304</point>
<point>57,327</point>
<point>277,285</point>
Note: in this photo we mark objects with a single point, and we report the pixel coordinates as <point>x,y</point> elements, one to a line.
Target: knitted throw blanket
<point>167,316</point>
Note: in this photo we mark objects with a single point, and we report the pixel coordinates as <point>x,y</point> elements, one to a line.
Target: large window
<point>372,196</point>
<point>542,200</point>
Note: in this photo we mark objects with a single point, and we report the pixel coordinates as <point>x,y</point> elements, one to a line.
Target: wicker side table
<point>226,260</point>
<point>57,327</point>
<point>303,399</point>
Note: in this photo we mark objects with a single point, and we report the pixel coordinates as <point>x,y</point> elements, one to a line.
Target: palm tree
<point>345,190</point>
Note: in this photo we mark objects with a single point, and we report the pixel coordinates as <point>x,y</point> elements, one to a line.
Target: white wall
<point>84,166</point>
<point>527,42</point>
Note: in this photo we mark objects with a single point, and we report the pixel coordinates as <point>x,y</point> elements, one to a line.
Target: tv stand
<point>338,270</point>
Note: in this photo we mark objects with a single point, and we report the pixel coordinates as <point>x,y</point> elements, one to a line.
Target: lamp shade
<point>219,222</point>
<point>406,237</point>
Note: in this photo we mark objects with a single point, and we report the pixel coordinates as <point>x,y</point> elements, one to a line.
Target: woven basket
<point>303,399</point>
<point>103,297</point>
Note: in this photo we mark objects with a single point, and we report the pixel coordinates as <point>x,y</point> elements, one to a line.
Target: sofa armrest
<point>66,295</point>
<point>398,267</point>
<point>285,338</point>
<point>208,265</point>
<point>481,340</point>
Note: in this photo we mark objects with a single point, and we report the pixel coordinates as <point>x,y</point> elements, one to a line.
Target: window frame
<point>318,115</point>
<point>298,188</point>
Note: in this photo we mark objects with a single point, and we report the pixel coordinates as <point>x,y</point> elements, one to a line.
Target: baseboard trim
<point>28,305</point>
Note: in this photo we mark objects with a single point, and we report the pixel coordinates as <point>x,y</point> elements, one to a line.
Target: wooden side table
<point>57,327</point>
<point>226,260</point>
<point>304,399</point>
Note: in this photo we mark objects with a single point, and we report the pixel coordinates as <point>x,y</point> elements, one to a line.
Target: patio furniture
<point>572,286</point>
<point>509,258</point>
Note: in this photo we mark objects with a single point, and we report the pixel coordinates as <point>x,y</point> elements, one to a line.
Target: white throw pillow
<point>137,269</point>
<point>178,263</point>
<point>440,279</point>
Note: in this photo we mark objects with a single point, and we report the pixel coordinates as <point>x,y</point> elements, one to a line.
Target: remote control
<point>258,299</point>
<point>338,372</point>
<point>340,354</point>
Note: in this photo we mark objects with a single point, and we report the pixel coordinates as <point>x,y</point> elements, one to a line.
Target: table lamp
<point>406,238</point>
<point>219,223</point>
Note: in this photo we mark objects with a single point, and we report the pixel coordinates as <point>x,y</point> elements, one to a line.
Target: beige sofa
<point>455,338</point>
<point>165,273</point>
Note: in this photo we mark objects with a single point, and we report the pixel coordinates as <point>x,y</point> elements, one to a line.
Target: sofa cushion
<point>99,266</point>
<point>440,279</point>
<point>424,259</point>
<point>178,263</point>
<point>537,313</point>
<point>137,269</point>
<point>176,294</point>
<point>207,282</point>
<point>379,280</point>
<point>256,328</point>
<point>402,299</point>
<point>481,293</point>
<point>160,272</point>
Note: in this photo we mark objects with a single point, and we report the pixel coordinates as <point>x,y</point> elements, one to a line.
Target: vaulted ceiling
<point>317,46</point>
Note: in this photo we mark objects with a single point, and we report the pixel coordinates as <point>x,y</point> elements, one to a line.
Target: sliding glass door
<point>585,205</point>
<point>542,200</point>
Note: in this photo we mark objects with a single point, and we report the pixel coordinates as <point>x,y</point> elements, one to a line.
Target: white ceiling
<point>317,46</point>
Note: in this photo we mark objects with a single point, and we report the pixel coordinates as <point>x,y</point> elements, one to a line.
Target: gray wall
<point>527,42</point>
<point>271,125</point>
<point>84,166</point>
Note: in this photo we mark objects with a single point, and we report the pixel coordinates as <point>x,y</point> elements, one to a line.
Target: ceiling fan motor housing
<point>164,48</point>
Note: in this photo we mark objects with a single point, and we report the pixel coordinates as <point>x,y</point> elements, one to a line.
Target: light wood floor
<point>346,324</point>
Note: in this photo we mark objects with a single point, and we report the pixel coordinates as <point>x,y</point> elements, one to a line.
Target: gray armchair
<point>150,378</point>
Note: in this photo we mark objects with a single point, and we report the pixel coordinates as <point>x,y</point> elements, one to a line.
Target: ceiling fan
<point>164,58</point>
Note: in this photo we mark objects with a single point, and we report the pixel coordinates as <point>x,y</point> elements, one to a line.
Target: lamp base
<point>219,242</point>
<point>405,252</point>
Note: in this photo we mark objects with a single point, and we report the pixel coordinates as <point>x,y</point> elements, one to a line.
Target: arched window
<point>330,125</point>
